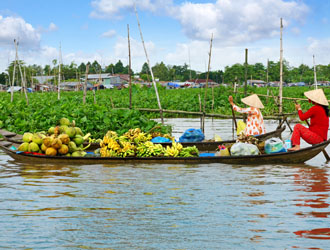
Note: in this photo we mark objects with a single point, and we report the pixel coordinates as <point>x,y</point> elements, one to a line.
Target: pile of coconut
<point>65,139</point>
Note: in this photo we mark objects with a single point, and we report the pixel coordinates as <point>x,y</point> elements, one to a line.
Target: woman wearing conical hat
<point>319,120</point>
<point>255,121</point>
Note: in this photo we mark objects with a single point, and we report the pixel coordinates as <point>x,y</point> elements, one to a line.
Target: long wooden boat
<point>290,157</point>
<point>202,146</point>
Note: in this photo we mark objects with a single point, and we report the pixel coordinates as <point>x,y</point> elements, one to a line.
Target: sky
<point>174,32</point>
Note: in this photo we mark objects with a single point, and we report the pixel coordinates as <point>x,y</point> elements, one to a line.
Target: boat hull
<point>293,157</point>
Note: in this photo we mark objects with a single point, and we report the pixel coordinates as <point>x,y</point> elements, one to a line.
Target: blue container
<point>288,144</point>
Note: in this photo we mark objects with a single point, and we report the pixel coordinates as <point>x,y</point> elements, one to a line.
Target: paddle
<point>234,120</point>
<point>327,157</point>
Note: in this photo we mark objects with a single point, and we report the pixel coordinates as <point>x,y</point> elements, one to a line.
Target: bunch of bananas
<point>189,152</point>
<point>137,136</point>
<point>174,150</point>
<point>137,143</point>
<point>113,145</point>
<point>149,149</point>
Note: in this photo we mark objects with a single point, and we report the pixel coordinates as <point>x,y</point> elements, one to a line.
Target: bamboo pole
<point>212,100</point>
<point>207,82</point>
<point>129,68</point>
<point>315,81</point>
<point>281,69</point>
<point>245,78</point>
<point>85,83</point>
<point>94,95</point>
<point>267,80</point>
<point>13,81</point>
<point>59,75</point>
<point>23,85</point>
<point>150,69</point>
<point>200,110</point>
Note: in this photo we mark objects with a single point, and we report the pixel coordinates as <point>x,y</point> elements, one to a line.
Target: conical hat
<point>253,101</point>
<point>318,96</point>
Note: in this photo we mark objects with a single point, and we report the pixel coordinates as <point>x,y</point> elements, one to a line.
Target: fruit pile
<point>137,143</point>
<point>65,139</point>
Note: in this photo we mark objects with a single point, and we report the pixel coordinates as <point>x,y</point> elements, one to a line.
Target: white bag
<point>240,148</point>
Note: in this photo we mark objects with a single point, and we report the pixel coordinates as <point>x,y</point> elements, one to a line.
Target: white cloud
<point>137,52</point>
<point>320,48</point>
<point>231,22</point>
<point>111,9</point>
<point>52,27</point>
<point>239,21</point>
<point>109,34</point>
<point>16,28</point>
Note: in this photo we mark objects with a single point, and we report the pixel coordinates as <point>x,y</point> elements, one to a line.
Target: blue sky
<point>175,32</point>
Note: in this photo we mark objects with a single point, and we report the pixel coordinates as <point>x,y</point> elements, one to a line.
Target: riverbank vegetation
<point>45,110</point>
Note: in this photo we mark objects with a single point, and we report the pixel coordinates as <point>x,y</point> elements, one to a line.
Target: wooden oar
<point>323,150</point>
<point>234,118</point>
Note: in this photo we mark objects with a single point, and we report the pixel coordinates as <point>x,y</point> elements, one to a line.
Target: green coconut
<point>27,137</point>
<point>51,130</point>
<point>70,131</point>
<point>62,128</point>
<point>33,147</point>
<point>23,147</point>
<point>78,131</point>
<point>65,121</point>
<point>78,139</point>
<point>37,138</point>
<point>72,147</point>
<point>78,154</point>
<point>43,147</point>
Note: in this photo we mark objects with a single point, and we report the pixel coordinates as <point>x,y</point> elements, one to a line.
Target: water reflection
<point>47,171</point>
<point>314,184</point>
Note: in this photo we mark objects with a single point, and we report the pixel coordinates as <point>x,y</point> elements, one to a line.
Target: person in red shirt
<point>319,120</point>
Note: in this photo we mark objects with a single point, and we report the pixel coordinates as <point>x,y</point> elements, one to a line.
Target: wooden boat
<point>291,157</point>
<point>202,146</point>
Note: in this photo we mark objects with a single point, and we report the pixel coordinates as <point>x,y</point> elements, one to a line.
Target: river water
<point>161,206</point>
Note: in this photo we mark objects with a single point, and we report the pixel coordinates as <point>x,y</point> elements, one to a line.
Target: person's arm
<point>250,110</point>
<point>308,114</point>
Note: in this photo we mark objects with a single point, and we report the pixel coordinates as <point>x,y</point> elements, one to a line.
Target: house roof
<point>202,81</point>
<point>98,76</point>
<point>255,81</point>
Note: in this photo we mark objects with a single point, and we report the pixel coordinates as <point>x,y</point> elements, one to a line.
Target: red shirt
<point>319,122</point>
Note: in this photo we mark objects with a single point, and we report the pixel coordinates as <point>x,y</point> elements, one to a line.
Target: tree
<point>3,78</point>
<point>235,71</point>
<point>95,68</point>
<point>145,68</point>
<point>82,68</point>
<point>160,71</point>
<point>110,68</point>
<point>119,67</point>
